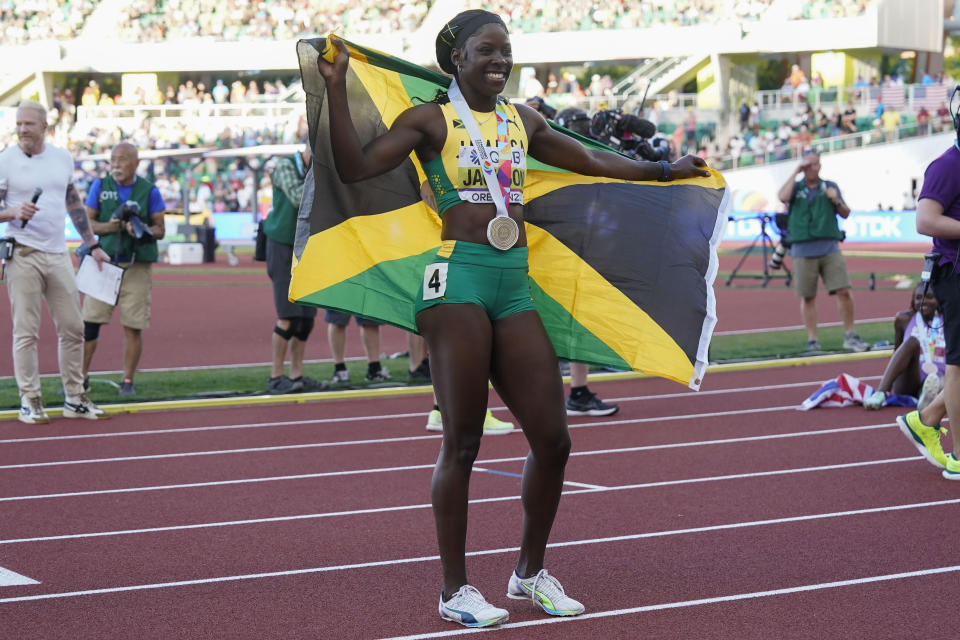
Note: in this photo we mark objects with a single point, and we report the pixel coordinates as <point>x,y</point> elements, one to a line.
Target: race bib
<point>471,184</point>
<point>435,280</point>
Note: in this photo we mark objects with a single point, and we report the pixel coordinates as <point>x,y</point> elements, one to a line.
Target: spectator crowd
<point>24,21</point>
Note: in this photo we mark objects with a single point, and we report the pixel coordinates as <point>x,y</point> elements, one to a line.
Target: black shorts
<point>341,319</point>
<point>946,286</point>
<point>279,259</point>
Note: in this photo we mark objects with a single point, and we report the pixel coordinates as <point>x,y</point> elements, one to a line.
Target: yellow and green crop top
<point>455,175</point>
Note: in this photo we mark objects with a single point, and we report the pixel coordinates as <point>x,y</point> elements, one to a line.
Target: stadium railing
<point>187,111</point>
<point>856,140</point>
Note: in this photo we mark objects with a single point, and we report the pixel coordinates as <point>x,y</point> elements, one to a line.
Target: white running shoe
<point>434,422</point>
<point>82,407</point>
<point>854,342</point>
<point>31,411</point>
<point>545,591</point>
<point>470,609</point>
<point>875,400</point>
<point>931,387</point>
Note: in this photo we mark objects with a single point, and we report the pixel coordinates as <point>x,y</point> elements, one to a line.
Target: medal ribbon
<point>928,336</point>
<point>503,153</point>
<point>493,174</point>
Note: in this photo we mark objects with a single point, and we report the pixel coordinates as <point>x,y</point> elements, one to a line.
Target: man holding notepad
<point>126,211</point>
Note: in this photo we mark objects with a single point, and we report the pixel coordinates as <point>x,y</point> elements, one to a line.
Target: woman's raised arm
<point>564,152</point>
<point>353,161</point>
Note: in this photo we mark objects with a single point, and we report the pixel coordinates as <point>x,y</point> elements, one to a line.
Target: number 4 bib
<point>435,281</point>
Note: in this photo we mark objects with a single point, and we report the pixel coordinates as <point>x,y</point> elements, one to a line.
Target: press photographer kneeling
<point>126,212</point>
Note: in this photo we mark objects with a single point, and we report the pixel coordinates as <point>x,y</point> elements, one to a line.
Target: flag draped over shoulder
<point>621,272</point>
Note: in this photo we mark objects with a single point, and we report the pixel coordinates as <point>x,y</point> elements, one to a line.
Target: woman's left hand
<point>688,167</point>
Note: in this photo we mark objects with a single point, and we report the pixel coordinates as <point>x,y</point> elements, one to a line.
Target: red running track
<point>199,319</point>
<point>719,514</point>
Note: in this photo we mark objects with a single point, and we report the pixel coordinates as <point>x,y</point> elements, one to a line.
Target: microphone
<point>638,126</point>
<point>36,196</point>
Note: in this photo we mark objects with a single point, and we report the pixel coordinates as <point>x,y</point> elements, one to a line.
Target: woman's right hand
<point>336,70</point>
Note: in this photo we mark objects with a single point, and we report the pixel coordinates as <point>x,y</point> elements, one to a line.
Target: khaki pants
<point>32,277</point>
<point>133,301</point>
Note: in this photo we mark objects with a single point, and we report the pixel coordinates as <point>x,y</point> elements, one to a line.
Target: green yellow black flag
<point>621,272</point>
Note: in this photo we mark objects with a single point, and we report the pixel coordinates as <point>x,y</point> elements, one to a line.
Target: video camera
<point>539,104</point>
<point>629,134</point>
<point>129,211</point>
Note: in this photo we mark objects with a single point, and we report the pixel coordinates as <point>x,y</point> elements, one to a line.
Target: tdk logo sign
<point>865,226</point>
<point>874,227</point>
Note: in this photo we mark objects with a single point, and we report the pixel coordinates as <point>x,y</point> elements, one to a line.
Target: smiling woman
<point>475,307</point>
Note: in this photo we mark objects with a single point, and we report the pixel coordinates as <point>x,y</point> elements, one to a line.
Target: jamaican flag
<point>621,272</point>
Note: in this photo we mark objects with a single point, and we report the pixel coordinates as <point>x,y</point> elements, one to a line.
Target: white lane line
<point>246,425</point>
<point>12,579</point>
<point>693,603</point>
<point>342,443</point>
<point>583,485</point>
<point>485,552</point>
<point>356,512</point>
<point>796,327</point>
<point>220,452</point>
<point>393,416</point>
<point>418,467</point>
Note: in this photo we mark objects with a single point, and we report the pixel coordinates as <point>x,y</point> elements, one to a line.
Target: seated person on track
<point>917,365</point>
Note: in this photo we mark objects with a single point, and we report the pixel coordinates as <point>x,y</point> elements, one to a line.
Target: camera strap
<point>502,231</point>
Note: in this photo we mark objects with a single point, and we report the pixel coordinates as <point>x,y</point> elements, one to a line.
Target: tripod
<point>767,246</point>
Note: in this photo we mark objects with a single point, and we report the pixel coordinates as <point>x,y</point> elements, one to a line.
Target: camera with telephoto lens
<point>783,226</point>
<point>129,211</point>
<point>776,260</point>
<point>630,135</point>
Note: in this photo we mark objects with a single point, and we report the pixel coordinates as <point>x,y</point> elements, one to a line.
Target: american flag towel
<point>846,390</point>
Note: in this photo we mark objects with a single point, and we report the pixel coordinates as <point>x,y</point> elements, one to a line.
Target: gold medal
<point>502,232</point>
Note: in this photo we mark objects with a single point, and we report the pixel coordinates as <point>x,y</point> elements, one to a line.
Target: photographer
<point>126,211</point>
<point>294,321</point>
<point>812,209</point>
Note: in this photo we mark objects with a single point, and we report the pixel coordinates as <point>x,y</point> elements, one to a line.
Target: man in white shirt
<point>36,188</point>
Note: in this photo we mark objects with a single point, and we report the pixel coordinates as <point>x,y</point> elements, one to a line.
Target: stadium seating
<point>158,20</point>
<point>23,21</point>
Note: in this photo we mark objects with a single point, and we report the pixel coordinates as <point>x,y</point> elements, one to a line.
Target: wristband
<point>96,245</point>
<point>665,174</point>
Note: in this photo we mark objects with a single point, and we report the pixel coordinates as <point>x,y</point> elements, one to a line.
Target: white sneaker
<point>931,387</point>
<point>495,427</point>
<point>340,376</point>
<point>82,407</point>
<point>875,400</point>
<point>470,609</point>
<point>854,342</point>
<point>434,421</point>
<point>31,411</point>
<point>545,591</point>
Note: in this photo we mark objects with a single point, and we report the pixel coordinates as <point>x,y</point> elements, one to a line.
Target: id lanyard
<point>502,231</point>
